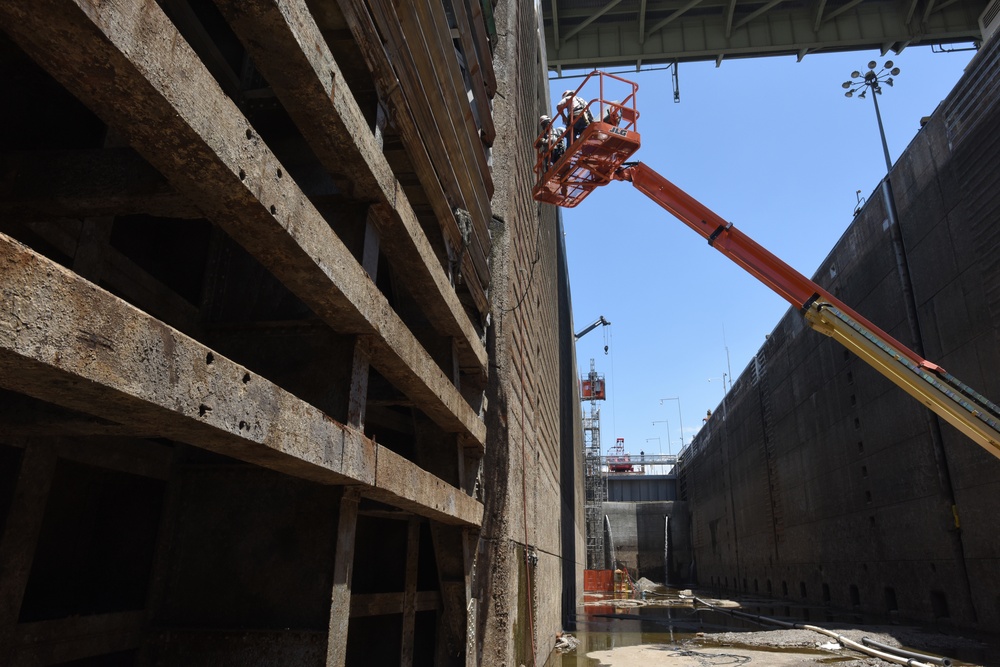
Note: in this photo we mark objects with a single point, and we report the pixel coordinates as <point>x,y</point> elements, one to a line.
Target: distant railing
<point>619,465</point>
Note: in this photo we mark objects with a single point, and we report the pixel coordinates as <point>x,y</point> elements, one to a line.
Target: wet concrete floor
<point>673,627</point>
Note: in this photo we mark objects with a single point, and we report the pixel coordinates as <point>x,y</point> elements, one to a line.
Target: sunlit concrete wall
<point>817,479</point>
<point>651,539</point>
<point>531,552</point>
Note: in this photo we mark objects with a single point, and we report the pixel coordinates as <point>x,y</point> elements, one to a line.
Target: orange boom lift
<point>599,155</point>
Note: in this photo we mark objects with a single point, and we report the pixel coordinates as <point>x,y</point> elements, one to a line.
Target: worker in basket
<point>574,110</point>
<point>549,143</point>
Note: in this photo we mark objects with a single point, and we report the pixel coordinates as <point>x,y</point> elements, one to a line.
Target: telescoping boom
<point>599,156</point>
<point>600,321</point>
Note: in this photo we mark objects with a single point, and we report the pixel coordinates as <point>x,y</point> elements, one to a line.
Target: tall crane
<point>600,155</point>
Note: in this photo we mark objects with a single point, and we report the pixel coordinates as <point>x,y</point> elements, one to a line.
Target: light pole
<point>724,392</point>
<point>871,81</point>
<point>681,418</point>
<point>664,421</point>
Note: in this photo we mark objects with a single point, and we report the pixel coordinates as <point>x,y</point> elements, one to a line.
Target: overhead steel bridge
<point>588,34</point>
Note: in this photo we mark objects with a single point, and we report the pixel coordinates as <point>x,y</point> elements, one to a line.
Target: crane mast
<point>599,156</point>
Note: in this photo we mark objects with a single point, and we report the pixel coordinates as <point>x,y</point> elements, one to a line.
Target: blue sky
<point>771,145</point>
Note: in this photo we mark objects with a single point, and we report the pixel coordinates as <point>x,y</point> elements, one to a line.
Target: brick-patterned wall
<point>532,467</point>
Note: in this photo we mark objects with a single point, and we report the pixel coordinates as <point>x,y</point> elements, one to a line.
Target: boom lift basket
<point>598,156</point>
<point>569,170</point>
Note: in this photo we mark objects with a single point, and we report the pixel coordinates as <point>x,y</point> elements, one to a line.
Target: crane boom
<point>598,154</point>
<point>600,321</point>
<point>940,391</point>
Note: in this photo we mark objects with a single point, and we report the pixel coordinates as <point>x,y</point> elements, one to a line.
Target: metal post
<point>679,415</point>
<point>881,132</point>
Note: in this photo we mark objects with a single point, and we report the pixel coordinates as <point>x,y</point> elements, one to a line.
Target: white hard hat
<point>568,93</point>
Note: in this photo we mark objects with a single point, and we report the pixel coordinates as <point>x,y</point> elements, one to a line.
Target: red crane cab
<point>618,460</point>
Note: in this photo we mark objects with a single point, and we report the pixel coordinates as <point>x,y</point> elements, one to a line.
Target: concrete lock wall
<point>641,533</point>
<point>532,550</point>
<point>819,480</point>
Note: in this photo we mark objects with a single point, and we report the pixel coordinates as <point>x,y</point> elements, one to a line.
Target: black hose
<point>763,620</point>
<point>923,657</point>
<point>846,642</point>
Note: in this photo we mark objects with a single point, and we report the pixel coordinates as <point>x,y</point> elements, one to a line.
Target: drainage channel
<point>668,629</point>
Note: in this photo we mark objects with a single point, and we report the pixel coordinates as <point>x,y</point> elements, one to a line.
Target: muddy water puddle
<point>662,629</point>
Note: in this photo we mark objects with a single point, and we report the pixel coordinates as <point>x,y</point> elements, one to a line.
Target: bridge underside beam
<point>718,29</point>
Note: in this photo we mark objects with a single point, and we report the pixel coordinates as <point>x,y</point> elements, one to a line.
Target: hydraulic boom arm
<point>944,394</point>
<point>598,322</point>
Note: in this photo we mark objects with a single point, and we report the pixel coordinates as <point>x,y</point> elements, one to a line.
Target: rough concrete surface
<point>696,655</point>
<point>824,483</point>
<point>779,648</point>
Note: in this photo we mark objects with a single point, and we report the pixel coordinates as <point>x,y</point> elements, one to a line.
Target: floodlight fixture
<point>872,79</point>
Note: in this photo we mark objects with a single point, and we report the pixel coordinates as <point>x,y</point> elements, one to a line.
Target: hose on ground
<point>934,660</point>
<point>882,655</point>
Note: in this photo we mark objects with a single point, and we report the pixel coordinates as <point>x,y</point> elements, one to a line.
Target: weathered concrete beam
<point>78,637</point>
<point>211,646</point>
<point>83,184</point>
<point>287,47</point>
<point>133,456</point>
<point>68,342</point>
<point>118,272</point>
<point>410,593</point>
<point>129,64</point>
<point>416,68</point>
<point>466,34</point>
<point>384,604</point>
<point>20,537</point>
<point>414,118</point>
<point>22,417</point>
<point>343,573</point>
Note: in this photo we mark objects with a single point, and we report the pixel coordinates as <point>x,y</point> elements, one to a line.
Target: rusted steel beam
<point>68,342</point>
<point>289,50</point>
<point>129,64</point>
